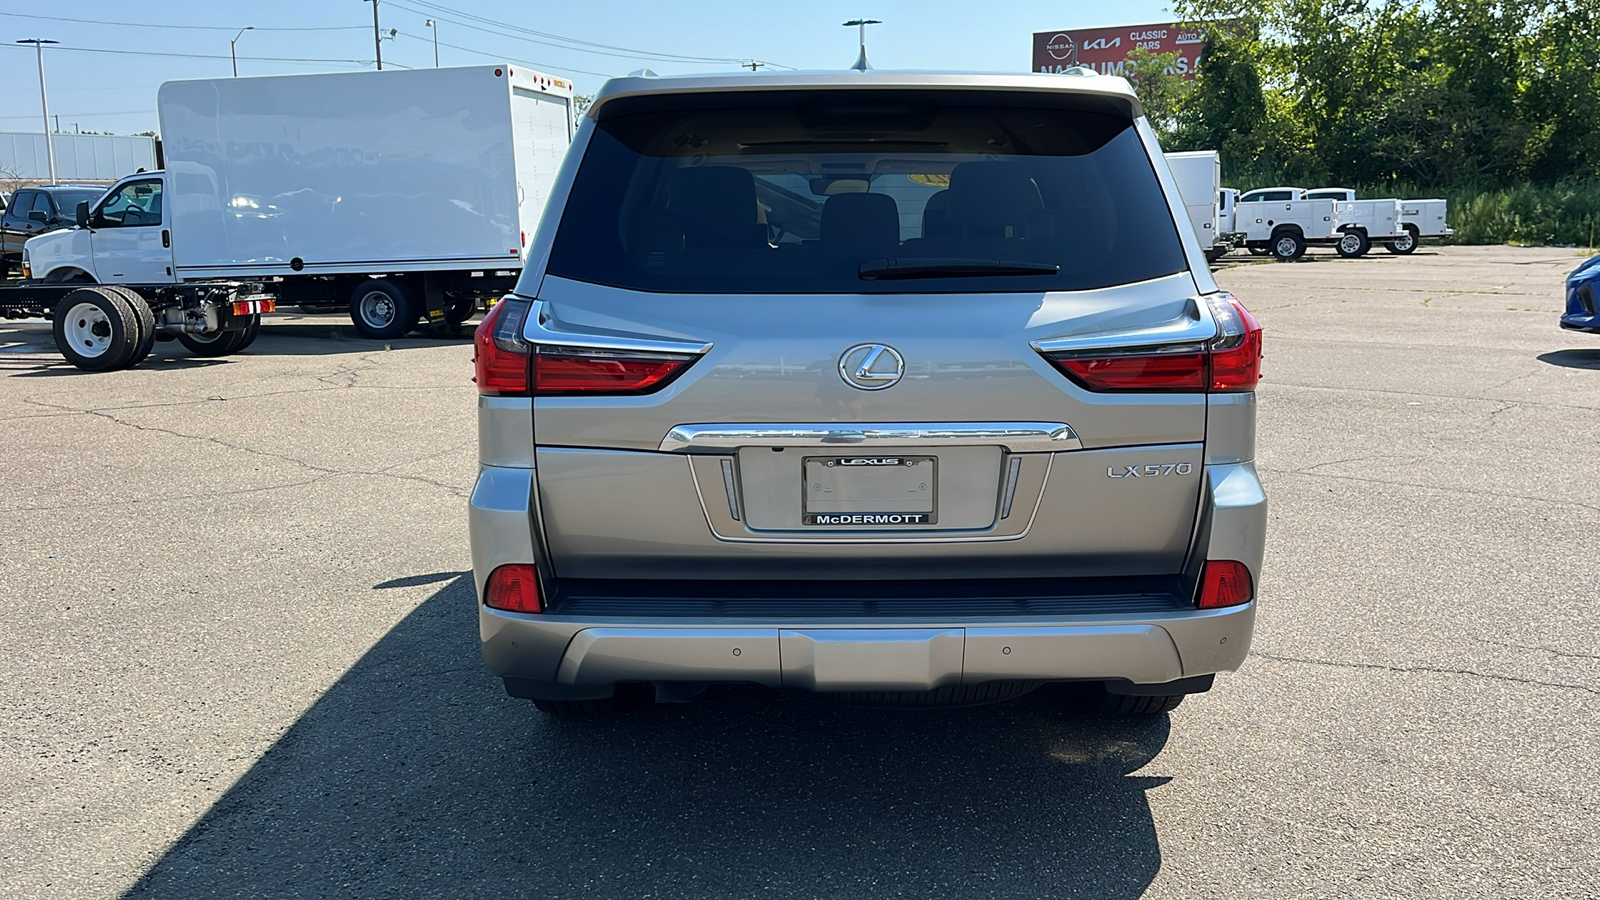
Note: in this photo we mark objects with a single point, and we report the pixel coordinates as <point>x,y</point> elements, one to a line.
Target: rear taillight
<point>514,588</point>
<point>500,355</point>
<point>1225,583</point>
<point>564,371</point>
<point>508,365</point>
<point>1229,362</point>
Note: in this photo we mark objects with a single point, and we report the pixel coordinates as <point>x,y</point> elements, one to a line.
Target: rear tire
<point>1098,699</point>
<point>382,310</point>
<point>1288,246</point>
<point>578,709</point>
<point>95,329</point>
<point>1213,254</point>
<point>462,310</point>
<point>1404,243</point>
<point>250,333</point>
<point>221,343</point>
<point>1353,244</point>
<point>144,318</point>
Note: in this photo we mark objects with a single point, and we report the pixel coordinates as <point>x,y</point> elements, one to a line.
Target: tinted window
<point>41,203</point>
<point>68,201</point>
<point>801,192</point>
<point>135,203</point>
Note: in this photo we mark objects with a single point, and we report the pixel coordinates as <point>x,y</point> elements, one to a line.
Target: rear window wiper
<point>937,267</point>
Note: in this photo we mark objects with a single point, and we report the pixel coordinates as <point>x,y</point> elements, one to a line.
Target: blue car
<point>1583,298</point>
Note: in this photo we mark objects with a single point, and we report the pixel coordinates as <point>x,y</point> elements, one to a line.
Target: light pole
<point>377,36</point>
<point>861,61</point>
<point>435,26</point>
<point>233,45</point>
<point>44,103</point>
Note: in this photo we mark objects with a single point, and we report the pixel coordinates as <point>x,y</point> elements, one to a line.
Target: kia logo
<point>1103,44</point>
<point>872,367</point>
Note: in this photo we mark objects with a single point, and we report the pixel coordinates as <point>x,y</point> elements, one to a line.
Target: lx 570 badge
<point>1154,470</point>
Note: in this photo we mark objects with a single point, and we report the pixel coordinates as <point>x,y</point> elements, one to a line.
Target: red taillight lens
<point>500,355</point>
<point>559,371</point>
<point>1229,362</point>
<point>1236,352</point>
<point>514,588</point>
<point>1225,583</point>
<point>1137,372</point>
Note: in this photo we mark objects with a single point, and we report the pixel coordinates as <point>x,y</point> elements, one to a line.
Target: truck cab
<point>121,238</point>
<point>1273,194</point>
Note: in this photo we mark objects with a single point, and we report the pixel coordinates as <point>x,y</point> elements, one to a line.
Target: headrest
<point>861,223</point>
<point>990,196</point>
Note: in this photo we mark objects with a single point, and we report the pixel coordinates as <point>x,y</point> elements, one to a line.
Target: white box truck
<point>399,195</point>
<point>1198,174</point>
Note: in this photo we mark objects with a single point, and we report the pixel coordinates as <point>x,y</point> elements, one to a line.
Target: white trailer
<point>397,194</point>
<point>1198,175</point>
<point>1280,221</point>
<point>1360,222</point>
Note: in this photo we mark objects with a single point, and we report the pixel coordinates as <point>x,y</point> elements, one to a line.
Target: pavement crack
<point>1430,670</point>
<point>1564,654</point>
<point>1471,492</point>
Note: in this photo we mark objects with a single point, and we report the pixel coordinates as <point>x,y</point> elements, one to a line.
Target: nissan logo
<point>872,367</point>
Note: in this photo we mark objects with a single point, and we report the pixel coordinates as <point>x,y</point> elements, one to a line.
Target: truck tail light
<point>501,358</point>
<point>564,371</point>
<point>1225,583</point>
<point>1229,362</point>
<point>514,588</point>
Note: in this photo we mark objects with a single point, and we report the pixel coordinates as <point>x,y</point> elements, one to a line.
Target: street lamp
<point>435,26</point>
<point>233,45</point>
<point>377,35</point>
<point>861,61</point>
<point>44,103</point>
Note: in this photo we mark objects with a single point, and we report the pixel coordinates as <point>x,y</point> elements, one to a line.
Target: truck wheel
<point>95,329</point>
<point>144,318</point>
<point>1353,244</point>
<point>220,343</point>
<point>1257,248</point>
<point>462,310</point>
<point>1404,242</point>
<point>1215,253</point>
<point>382,310</point>
<point>1288,246</point>
<point>250,333</point>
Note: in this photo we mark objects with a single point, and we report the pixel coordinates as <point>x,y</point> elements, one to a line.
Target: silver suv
<point>904,386</point>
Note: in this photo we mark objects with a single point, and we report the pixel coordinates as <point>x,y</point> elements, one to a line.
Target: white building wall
<point>79,157</point>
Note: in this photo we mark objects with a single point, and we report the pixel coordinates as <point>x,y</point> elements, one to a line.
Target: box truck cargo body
<point>1198,175</point>
<point>398,194</point>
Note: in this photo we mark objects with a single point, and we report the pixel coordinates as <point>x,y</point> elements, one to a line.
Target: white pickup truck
<point>1282,222</point>
<point>1414,219</point>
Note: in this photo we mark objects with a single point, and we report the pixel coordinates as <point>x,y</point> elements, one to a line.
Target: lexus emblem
<point>872,367</point>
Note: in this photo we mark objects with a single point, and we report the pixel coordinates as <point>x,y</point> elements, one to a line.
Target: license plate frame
<point>876,483</point>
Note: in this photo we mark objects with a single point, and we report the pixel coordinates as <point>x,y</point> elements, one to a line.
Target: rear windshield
<point>816,192</point>
<point>67,201</point>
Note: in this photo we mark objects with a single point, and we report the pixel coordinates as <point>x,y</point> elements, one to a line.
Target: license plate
<point>881,491</point>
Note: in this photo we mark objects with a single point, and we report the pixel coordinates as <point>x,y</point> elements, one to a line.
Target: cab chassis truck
<point>101,327</point>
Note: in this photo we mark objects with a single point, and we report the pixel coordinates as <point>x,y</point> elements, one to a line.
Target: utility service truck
<point>1361,222</point>
<point>398,194</point>
<point>1282,222</point>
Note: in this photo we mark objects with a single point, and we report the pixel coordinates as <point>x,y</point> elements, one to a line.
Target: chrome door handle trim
<point>1018,437</point>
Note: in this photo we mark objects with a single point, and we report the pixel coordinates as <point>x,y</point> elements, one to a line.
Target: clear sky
<point>117,91</point>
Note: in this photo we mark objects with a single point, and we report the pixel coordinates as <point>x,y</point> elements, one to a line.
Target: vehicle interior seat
<point>715,208</point>
<point>861,225</point>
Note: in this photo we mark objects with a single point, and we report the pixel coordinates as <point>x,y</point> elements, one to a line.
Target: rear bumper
<point>815,640</point>
<point>866,654</point>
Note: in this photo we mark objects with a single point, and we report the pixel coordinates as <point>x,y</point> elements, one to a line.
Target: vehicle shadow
<point>1573,359</point>
<point>415,776</point>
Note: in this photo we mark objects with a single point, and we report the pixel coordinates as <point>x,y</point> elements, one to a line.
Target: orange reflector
<point>1225,583</point>
<point>514,588</point>
<point>253,307</point>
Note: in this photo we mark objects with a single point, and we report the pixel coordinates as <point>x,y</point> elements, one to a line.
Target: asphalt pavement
<point>240,649</point>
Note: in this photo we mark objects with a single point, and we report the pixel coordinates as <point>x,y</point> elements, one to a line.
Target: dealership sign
<point>1106,50</point>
